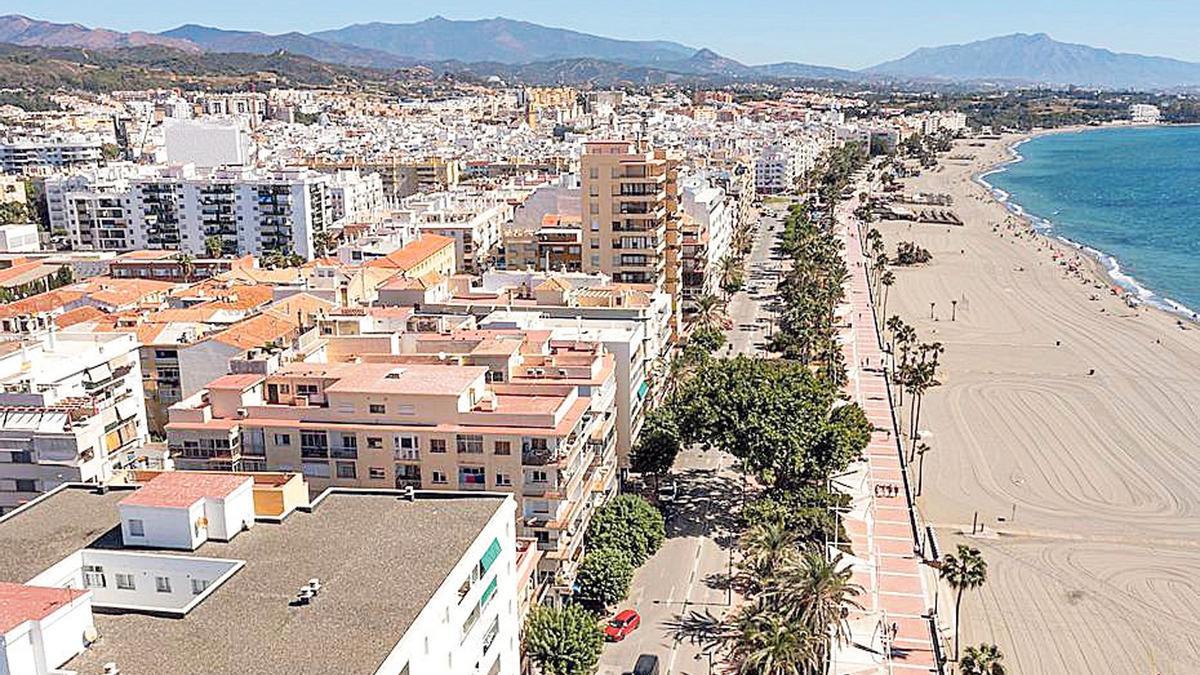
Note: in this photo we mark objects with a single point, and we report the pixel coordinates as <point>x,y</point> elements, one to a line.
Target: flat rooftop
<point>379,558</point>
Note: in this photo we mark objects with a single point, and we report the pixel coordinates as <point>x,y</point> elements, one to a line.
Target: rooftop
<point>180,490</point>
<point>379,558</point>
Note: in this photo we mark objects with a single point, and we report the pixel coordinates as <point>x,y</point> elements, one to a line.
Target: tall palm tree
<point>982,660</point>
<point>887,279</point>
<point>820,590</point>
<point>710,313</point>
<point>769,643</point>
<point>187,265</point>
<point>731,273</point>
<point>965,571</point>
<point>767,547</point>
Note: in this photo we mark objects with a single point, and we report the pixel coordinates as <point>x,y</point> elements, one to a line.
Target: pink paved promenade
<point>897,597</point>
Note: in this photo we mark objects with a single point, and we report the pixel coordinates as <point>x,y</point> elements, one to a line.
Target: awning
<point>643,388</point>
<point>99,374</point>
<point>128,408</point>
<point>490,555</point>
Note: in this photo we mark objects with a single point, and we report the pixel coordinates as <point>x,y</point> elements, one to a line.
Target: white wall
<point>164,527</point>
<point>227,517</point>
<point>435,643</point>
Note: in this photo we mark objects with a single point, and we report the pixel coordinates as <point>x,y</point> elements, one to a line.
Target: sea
<point>1129,196</point>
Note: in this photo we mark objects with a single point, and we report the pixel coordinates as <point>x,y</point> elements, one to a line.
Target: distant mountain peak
<point>1036,58</point>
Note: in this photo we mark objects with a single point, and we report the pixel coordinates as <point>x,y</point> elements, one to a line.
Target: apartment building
<point>248,211</point>
<point>631,214</point>
<point>707,228</point>
<point>557,245</point>
<point>472,220</point>
<point>776,169</point>
<point>538,425</point>
<point>400,177</point>
<point>188,580</point>
<point>355,196</point>
<point>41,155</point>
<point>71,409</point>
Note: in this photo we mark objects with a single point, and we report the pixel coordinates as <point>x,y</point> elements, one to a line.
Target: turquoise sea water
<point>1132,195</point>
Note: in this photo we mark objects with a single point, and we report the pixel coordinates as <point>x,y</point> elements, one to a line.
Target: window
<point>471,444</point>
<point>283,439</point>
<point>162,584</point>
<point>377,408</point>
<point>377,473</point>
<point>94,577</point>
<point>26,485</point>
<point>437,445</point>
<point>503,480</point>
<point>374,442</point>
<point>137,528</point>
<point>346,470</point>
<point>315,469</point>
<point>22,457</point>
<point>125,582</point>
<point>306,390</point>
<point>538,476</point>
<point>198,586</point>
<point>439,478</point>
<point>472,476</point>
<point>502,448</point>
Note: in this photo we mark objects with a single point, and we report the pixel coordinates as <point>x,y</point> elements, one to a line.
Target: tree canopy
<point>564,641</point>
<point>604,577</point>
<point>630,524</point>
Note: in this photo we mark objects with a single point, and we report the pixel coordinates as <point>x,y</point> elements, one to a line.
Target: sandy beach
<point>1077,411</point>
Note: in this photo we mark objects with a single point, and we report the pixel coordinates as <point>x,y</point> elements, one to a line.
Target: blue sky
<point>848,34</point>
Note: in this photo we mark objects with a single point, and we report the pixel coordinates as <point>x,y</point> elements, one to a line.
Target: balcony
<point>538,455</point>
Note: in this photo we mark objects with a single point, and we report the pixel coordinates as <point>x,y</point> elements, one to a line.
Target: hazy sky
<point>849,34</point>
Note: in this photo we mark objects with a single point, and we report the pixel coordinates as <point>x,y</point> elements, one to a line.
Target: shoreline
<point>1064,426</point>
<point>1105,266</point>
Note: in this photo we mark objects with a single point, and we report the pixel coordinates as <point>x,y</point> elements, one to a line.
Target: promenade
<point>892,633</point>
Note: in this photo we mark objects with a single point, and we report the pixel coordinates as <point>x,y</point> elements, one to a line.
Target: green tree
<point>628,523</point>
<point>657,445</point>
<point>214,247</point>
<point>604,577</point>
<point>965,571</point>
<point>15,213</point>
<point>187,265</point>
<point>766,642</point>
<point>982,660</point>
<point>564,641</point>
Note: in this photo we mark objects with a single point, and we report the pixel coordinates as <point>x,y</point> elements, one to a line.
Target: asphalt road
<point>690,571</point>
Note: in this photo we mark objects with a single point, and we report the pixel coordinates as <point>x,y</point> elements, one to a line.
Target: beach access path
<point>892,633</point>
<point>1069,424</point>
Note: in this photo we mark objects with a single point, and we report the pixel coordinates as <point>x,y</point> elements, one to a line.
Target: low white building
<point>19,238</point>
<point>207,143</point>
<point>1144,113</point>
<point>380,581</point>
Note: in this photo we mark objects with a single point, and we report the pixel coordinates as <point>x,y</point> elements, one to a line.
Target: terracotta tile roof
<point>414,254</point>
<point>42,302</point>
<point>179,489</point>
<point>235,381</point>
<point>78,315</point>
<point>23,273</point>
<point>304,303</point>
<point>256,331</point>
<point>20,603</point>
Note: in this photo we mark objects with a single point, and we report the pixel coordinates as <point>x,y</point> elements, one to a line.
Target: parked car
<point>647,664</point>
<point>668,490</point>
<point>622,625</point>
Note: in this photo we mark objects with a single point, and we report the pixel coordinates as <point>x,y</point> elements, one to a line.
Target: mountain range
<point>527,51</point>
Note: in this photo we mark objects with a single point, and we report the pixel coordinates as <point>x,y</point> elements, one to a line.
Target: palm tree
<point>821,590</point>
<point>886,280</point>
<point>324,242</point>
<point>921,450</point>
<point>710,313</point>
<point>213,247</point>
<point>764,641</point>
<point>731,274</point>
<point>766,548</point>
<point>982,660</point>
<point>187,265</point>
<point>966,571</point>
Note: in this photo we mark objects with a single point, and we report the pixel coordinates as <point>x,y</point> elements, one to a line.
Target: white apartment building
<point>1143,113</point>
<point>708,225</point>
<point>41,155</point>
<point>355,196</point>
<point>206,143</point>
<point>251,211</point>
<point>387,582</point>
<point>473,221</point>
<point>776,169</point>
<point>71,409</point>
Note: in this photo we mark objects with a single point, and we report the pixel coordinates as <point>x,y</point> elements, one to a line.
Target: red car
<point>622,625</point>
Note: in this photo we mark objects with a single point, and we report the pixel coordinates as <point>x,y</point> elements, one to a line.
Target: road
<point>690,571</point>
<point>752,322</point>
